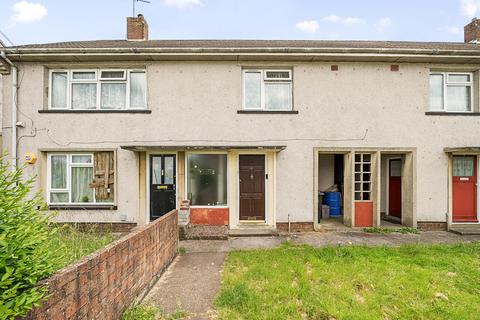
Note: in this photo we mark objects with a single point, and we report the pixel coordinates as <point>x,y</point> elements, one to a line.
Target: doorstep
<point>465,229</point>
<point>253,231</point>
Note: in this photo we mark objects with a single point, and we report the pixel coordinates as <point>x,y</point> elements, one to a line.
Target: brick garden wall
<point>105,283</point>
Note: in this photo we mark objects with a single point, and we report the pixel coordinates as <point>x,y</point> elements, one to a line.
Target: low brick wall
<point>105,283</point>
<point>431,226</point>
<point>295,226</point>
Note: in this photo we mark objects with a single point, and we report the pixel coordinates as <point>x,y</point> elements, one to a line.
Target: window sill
<point>447,113</point>
<point>94,111</point>
<point>267,111</point>
<point>82,207</point>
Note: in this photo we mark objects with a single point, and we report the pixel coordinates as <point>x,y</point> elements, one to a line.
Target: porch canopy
<point>144,148</point>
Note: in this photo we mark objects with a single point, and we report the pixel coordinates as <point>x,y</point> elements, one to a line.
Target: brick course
<point>295,226</point>
<point>105,283</point>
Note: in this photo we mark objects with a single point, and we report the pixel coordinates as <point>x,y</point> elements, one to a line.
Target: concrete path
<point>193,280</point>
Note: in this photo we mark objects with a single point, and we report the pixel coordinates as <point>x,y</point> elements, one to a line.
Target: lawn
<point>70,245</point>
<point>352,282</point>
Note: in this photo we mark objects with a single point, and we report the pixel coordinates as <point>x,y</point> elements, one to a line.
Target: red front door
<point>464,189</point>
<point>395,188</point>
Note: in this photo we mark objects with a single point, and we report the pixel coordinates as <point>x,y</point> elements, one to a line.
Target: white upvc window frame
<point>264,79</point>
<point>98,81</point>
<point>447,83</point>
<point>70,164</point>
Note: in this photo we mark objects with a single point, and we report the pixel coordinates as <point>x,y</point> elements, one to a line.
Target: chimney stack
<point>137,28</point>
<point>472,31</point>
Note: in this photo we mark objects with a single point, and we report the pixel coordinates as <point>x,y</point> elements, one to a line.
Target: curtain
<point>59,90</point>
<point>253,82</point>
<point>58,172</point>
<point>113,95</point>
<point>463,166</point>
<point>458,98</point>
<point>137,90</point>
<point>84,95</point>
<point>277,96</point>
<point>81,179</point>
<point>436,92</point>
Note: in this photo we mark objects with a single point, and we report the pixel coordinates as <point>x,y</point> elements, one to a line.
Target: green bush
<point>24,228</point>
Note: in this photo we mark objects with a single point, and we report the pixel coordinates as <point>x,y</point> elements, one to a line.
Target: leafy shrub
<point>24,228</point>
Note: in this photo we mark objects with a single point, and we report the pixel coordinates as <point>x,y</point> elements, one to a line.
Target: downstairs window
<point>207,179</point>
<point>81,178</point>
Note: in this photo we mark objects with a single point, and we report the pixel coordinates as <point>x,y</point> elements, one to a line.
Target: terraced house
<point>122,131</point>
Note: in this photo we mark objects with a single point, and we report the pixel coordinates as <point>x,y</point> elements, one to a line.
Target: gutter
<point>13,150</point>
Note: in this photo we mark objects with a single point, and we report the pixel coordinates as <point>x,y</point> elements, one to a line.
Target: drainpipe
<point>13,150</point>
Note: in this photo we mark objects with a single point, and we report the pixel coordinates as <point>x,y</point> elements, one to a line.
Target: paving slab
<point>190,284</point>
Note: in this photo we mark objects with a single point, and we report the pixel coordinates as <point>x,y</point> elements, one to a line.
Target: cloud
<point>469,8</point>
<point>383,23</point>
<point>343,20</point>
<point>308,26</point>
<point>182,4</point>
<point>27,12</point>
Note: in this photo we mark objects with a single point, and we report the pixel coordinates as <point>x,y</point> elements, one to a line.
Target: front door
<point>395,188</point>
<point>162,185</point>
<point>252,187</point>
<point>464,195</point>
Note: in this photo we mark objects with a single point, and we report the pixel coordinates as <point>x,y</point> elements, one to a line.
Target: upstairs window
<point>268,90</point>
<point>451,91</point>
<point>97,89</point>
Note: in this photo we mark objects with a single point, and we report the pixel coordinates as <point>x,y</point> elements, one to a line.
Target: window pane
<point>84,96</point>
<point>207,179</point>
<point>58,172</point>
<point>156,170</point>
<point>113,75</point>
<point>463,166</point>
<point>83,75</point>
<point>169,176</point>
<point>458,78</point>
<point>436,91</point>
<point>82,159</point>
<point>59,89</point>
<point>59,197</point>
<point>113,95</point>
<point>137,90</point>
<point>277,96</point>
<point>278,75</point>
<point>81,178</point>
<point>253,82</point>
<point>458,98</point>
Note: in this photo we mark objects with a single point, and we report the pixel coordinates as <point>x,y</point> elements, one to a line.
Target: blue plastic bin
<point>333,200</point>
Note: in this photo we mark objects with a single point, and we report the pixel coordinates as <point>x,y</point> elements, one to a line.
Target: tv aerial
<point>133,5</point>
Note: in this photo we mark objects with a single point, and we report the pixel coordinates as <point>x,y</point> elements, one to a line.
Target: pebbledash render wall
<point>105,283</point>
<point>363,104</point>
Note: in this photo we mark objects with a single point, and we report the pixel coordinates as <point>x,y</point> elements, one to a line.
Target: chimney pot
<point>137,28</point>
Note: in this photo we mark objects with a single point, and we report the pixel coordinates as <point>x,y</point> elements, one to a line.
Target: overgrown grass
<point>403,230</point>
<point>352,282</point>
<point>70,245</point>
<point>148,312</point>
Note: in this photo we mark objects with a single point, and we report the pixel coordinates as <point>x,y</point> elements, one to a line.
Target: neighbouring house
<point>249,131</point>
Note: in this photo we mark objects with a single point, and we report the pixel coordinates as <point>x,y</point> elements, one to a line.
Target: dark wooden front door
<point>162,185</point>
<point>252,187</point>
<point>395,188</point>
